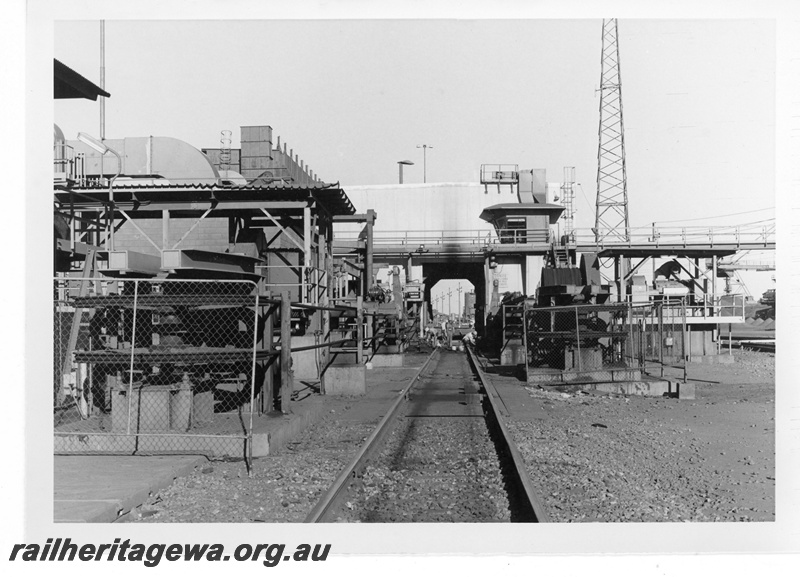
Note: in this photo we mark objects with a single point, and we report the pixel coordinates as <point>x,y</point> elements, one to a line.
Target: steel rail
<point>519,469</point>
<point>338,489</point>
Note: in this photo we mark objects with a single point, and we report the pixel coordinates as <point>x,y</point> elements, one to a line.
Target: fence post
<point>267,390</point>
<point>252,385</point>
<point>683,336</point>
<point>661,343</point>
<point>578,340</point>
<point>286,352</point>
<point>133,348</point>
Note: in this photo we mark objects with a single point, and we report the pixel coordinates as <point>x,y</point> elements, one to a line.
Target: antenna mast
<point>611,220</point>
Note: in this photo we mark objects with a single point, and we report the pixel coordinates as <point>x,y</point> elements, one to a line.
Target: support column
<point>267,391</point>
<point>487,283</point>
<point>368,280</point>
<point>618,279</point>
<point>532,273</point>
<point>287,375</point>
<point>307,260</point>
<point>713,283</point>
<point>359,331</point>
<point>165,230</point>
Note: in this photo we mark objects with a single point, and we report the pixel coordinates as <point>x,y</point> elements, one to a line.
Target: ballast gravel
<point>433,470</point>
<point>282,488</point>
<point>609,458</point>
<point>593,458</point>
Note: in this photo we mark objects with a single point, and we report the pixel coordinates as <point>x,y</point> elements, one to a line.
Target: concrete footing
<point>644,387</point>
<point>513,354</point>
<point>538,376</point>
<point>272,434</point>
<point>346,380</point>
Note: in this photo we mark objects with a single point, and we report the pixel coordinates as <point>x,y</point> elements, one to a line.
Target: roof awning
<point>516,209</point>
<point>69,84</point>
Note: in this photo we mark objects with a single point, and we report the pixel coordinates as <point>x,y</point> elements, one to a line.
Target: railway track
<point>441,453</point>
<point>763,345</point>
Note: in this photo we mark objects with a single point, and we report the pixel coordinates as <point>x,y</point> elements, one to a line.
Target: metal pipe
<point>102,79</point>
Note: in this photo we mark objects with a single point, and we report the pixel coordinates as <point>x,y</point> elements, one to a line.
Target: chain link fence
<point>658,338</point>
<point>155,366</point>
<point>604,343</point>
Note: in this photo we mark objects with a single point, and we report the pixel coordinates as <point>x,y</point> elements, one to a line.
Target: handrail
<point>748,233</point>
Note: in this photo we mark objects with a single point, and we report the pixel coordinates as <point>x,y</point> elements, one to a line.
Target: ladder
<point>560,256</point>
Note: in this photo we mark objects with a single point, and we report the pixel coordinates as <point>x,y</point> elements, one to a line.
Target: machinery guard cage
<point>613,343</point>
<point>659,337</point>
<point>156,366</point>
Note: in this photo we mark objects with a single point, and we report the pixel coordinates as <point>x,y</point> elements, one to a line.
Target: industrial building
<point>198,291</point>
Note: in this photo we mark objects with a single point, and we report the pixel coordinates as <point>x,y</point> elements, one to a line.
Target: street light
<point>100,147</point>
<point>424,148</point>
<point>400,164</point>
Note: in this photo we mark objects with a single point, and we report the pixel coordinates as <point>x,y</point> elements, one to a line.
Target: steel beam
<point>202,260</point>
<point>129,262</point>
<point>369,216</point>
<point>80,249</point>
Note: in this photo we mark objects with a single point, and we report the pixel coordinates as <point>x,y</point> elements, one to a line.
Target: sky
<point>352,97</point>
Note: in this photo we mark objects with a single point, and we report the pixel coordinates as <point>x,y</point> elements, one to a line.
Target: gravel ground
<point>282,488</point>
<point>433,470</point>
<point>594,458</point>
<point>597,457</point>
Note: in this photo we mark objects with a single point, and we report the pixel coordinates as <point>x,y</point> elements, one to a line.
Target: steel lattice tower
<point>611,220</point>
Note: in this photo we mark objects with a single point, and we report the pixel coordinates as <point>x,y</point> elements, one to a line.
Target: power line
<point>716,216</point>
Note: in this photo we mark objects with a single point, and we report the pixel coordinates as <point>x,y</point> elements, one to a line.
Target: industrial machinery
<point>563,284</point>
<point>585,338</point>
<point>397,313</point>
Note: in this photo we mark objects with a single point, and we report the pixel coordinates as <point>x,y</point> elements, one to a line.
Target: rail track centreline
<point>439,454</point>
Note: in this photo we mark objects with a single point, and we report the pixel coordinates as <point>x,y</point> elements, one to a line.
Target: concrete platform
<point>98,489</point>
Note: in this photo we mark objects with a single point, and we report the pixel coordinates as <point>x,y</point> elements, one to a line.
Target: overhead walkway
<point>692,242</point>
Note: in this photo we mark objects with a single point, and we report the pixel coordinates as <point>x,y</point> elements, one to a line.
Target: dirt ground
<point>600,457</point>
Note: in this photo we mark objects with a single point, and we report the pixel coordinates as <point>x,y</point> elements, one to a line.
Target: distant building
<point>469,304</point>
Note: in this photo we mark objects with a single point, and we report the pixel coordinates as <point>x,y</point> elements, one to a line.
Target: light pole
<point>459,289</point>
<point>424,148</point>
<point>101,147</point>
<point>449,302</point>
<point>400,164</point>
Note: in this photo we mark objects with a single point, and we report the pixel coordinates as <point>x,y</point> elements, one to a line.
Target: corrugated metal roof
<point>275,185</point>
<point>330,195</point>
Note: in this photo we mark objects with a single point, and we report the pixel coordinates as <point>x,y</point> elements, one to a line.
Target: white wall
<point>445,206</point>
